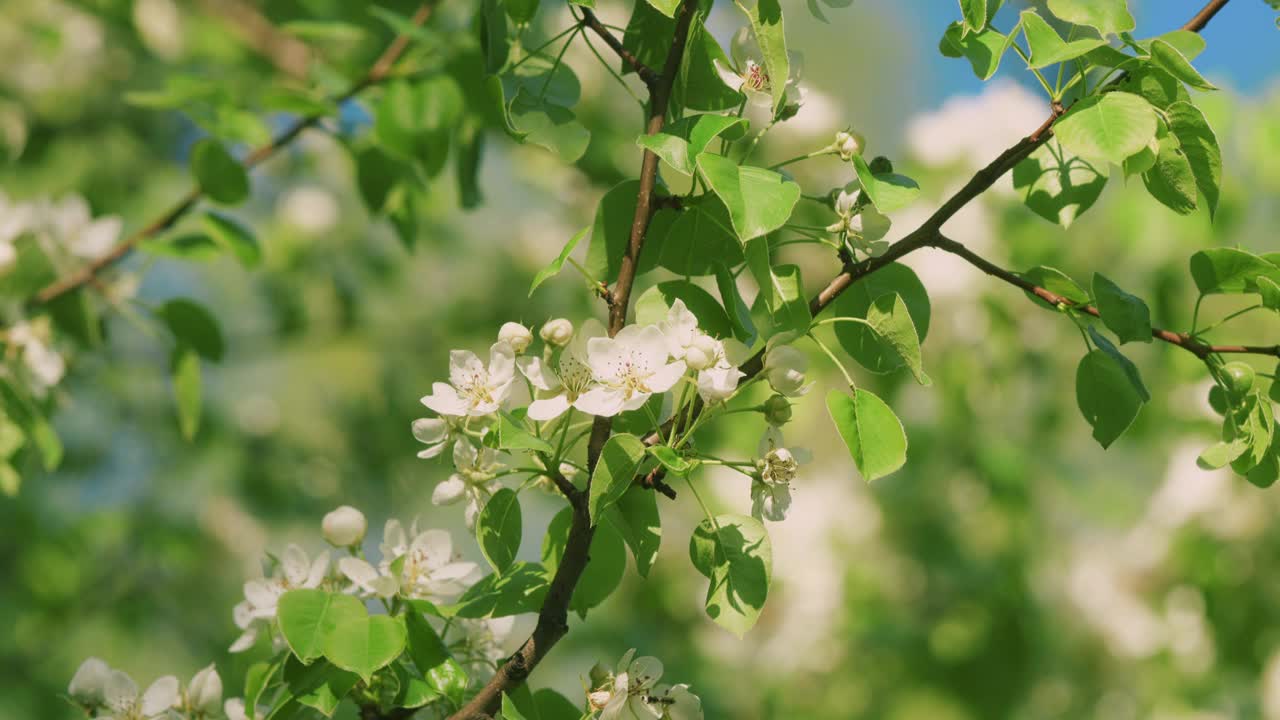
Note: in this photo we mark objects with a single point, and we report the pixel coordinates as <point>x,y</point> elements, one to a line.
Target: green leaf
<point>75,314</point>
<point>518,590</point>
<point>554,706</point>
<point>1056,186</point>
<point>735,554</point>
<point>975,14</point>
<point>1125,315</point>
<point>1106,396</point>
<point>1158,87</point>
<point>982,49</point>
<point>320,685</point>
<point>184,368</point>
<point>308,616</point>
<point>521,11</point>
<point>1254,424</point>
<point>635,517</point>
<point>194,327</point>
<point>888,191</point>
<point>413,691</point>
<point>735,307</point>
<point>666,7</point>
<point>1130,370</point>
<point>614,472</point>
<point>219,175</point>
<point>234,237</point>
<point>376,174</point>
<point>509,710</point>
<point>493,35</point>
<point>698,86</point>
<point>1200,146</point>
<point>1187,42</point>
<point>1230,271</point>
<point>365,644</point>
<point>1109,127</point>
<point>759,201</point>
<point>425,647</point>
<point>549,126</point>
<point>781,290</point>
<point>1057,282</point>
<point>1047,47</point>
<point>556,265</point>
<point>1221,454</point>
<point>861,342</point>
<point>1176,64</point>
<point>257,678</point>
<point>889,318</point>
<point>602,575</point>
<point>511,434</point>
<point>611,232</point>
<point>653,304</point>
<point>414,121</point>
<point>1109,17</point>
<point>673,461</point>
<point>766,24</point>
<point>193,247</point>
<point>701,239</point>
<point>1270,292</point>
<point>683,141</point>
<point>499,528</point>
<point>871,431</point>
<point>1170,180</point>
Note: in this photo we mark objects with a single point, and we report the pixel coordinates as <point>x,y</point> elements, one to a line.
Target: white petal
<point>358,571</point>
<point>296,565</point>
<point>90,680</point>
<point>502,363</point>
<point>234,709</point>
<point>261,595</point>
<point>602,352</point>
<point>162,695</point>
<point>600,401</point>
<point>731,79</point>
<point>120,692</point>
<point>444,400</point>
<point>98,237</point>
<point>436,546</point>
<point>432,452</point>
<point>464,365</point>
<point>538,373</point>
<point>319,567</point>
<point>431,431</point>
<point>645,671</point>
<point>625,663</point>
<point>548,408</point>
<point>636,401</point>
<point>449,492</point>
<point>464,454</point>
<point>665,376</point>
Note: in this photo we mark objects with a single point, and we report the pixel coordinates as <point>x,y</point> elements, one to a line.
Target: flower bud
<point>702,353</point>
<point>557,332</point>
<point>515,335</point>
<point>345,526</point>
<point>849,143</point>
<point>598,699</point>
<point>785,368</point>
<point>88,683</point>
<point>777,410</point>
<point>204,694</point>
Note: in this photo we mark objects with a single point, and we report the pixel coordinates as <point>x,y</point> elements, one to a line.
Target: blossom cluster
<point>631,692</point>
<point>109,694</point>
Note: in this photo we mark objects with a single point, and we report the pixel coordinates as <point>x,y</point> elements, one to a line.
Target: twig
<point>645,72</point>
<point>378,72</point>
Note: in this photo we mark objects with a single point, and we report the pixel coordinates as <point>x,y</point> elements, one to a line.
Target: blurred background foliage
<point>1011,570</point>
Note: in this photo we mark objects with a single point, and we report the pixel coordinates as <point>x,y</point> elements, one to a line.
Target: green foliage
<point>218,174</point>
<point>1056,186</point>
<point>1109,17</point>
<point>499,528</point>
<point>759,201</point>
<point>619,461</point>
<point>871,431</point>
<point>308,618</point>
<point>867,344</point>
<point>1125,315</point>
<point>734,553</point>
<point>1108,127</point>
<point>602,575</point>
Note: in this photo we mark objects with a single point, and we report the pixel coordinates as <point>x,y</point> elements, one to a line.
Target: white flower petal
<point>358,571</point>
<point>436,547</point>
<point>600,401</point>
<point>431,431</point>
<point>449,492</point>
<point>538,373</point>
<point>162,695</point>
<point>548,408</point>
<point>444,400</point>
<point>120,693</point>
<point>463,366</point>
<point>666,376</point>
<point>89,682</point>
<point>502,363</point>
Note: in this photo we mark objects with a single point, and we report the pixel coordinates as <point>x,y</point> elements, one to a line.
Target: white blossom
<point>204,694</point>
<point>123,702</point>
<point>515,335</point>
<point>749,76</point>
<point>630,367</point>
<point>72,226</point>
<point>344,527</point>
<point>631,693</point>
<point>866,228</point>
<point>474,390</point>
<point>258,609</point>
<point>776,470</point>
<point>89,682</point>
<point>472,479</point>
<point>436,433</point>
<point>564,387</point>
<point>557,332</point>
<point>680,330</point>
<point>849,143</point>
<point>719,381</point>
<point>429,570</point>
<point>30,340</point>
<point>785,367</point>
<point>234,709</point>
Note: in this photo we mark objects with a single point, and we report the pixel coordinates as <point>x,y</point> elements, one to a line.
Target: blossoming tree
<point>704,326</point>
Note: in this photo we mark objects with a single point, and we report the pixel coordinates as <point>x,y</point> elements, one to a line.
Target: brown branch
<point>553,617</point>
<point>645,72</point>
<point>85,275</point>
<point>1202,18</point>
<point>290,55</point>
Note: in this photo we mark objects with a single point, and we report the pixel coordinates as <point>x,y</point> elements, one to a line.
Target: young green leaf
<point>766,24</point>
<point>635,517</point>
<point>320,685</point>
<point>363,645</point>
<point>520,589</point>
<point>1176,64</point>
<point>781,292</point>
<point>1109,17</point>
<point>1125,315</point>
<point>889,318</point>
<point>701,239</point>
<point>1130,370</point>
<point>512,435</point>
<point>682,142</point>
<point>870,429</point>
<point>193,326</point>
<point>1057,282</point>
<point>759,201</point>
<point>888,191</point>
<point>617,467</point>
<point>1106,396</point>
<point>499,528</point>
<point>862,342</point>
<point>735,307</point>
<point>1200,146</point>
<point>734,553</point>
<point>983,50</point>
<point>307,617</point>
<point>673,461</point>
<point>1170,180</point>
<point>1270,292</point>
<point>184,368</point>
<point>1047,46</point>
<point>219,175</point>
<point>556,265</point>
<point>1109,127</point>
<point>509,710</point>
<point>234,237</point>
<point>1230,271</point>
<point>975,14</point>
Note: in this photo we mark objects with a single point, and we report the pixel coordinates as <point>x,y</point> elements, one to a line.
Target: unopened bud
<point>777,410</point>
<point>849,143</point>
<point>557,332</point>
<point>702,353</point>
<point>515,335</point>
<point>345,526</point>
